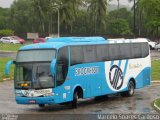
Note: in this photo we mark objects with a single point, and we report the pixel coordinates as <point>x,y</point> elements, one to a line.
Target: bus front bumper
<point>36,100</point>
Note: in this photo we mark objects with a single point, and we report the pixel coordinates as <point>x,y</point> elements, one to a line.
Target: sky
<point>7,3</point>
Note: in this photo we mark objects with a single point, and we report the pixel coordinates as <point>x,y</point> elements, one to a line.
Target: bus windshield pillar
<point>8,66</point>
<point>53,67</point>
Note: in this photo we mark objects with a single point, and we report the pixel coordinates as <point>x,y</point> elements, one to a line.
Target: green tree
<point>151,11</point>
<point>98,12</point>
<point>119,27</point>
<point>20,16</point>
<point>3,18</point>
<point>6,32</point>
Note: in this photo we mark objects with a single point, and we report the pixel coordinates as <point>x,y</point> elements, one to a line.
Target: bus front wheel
<point>75,100</point>
<point>130,91</point>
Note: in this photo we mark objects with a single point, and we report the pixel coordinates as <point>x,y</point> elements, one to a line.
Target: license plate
<point>32,101</point>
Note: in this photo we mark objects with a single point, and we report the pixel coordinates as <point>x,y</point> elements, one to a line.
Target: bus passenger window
<point>145,49</point>
<point>102,53</point>
<point>125,51</point>
<point>136,50</point>
<point>62,66</point>
<point>89,53</point>
<point>114,52</point>
<point>77,56</point>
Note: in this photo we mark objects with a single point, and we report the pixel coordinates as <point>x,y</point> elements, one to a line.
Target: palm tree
<point>67,9</point>
<point>151,12</point>
<point>40,9</point>
<point>98,11</point>
<point>134,8</point>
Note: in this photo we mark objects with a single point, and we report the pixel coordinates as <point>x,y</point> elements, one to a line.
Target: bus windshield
<point>32,69</point>
<point>33,76</point>
<point>36,55</point>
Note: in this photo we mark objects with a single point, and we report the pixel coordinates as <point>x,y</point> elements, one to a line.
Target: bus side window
<point>102,53</point>
<point>62,65</point>
<point>77,56</point>
<point>89,52</point>
<point>125,51</point>
<point>145,49</point>
<point>114,50</point>
<point>136,50</point>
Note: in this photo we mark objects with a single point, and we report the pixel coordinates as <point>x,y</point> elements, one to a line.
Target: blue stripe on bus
<point>125,68</point>
<point>112,63</point>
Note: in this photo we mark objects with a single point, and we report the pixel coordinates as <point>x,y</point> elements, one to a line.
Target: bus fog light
<point>19,94</point>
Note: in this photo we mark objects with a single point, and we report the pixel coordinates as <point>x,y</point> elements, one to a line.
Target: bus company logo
<point>116,77</point>
<point>86,71</point>
<point>26,92</point>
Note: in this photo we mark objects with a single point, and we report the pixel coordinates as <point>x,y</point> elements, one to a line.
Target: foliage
<point>9,47</point>
<point>147,17</point>
<point>3,18</point>
<point>98,12</point>
<point>80,17</point>
<point>6,32</point>
<point>157,103</point>
<point>151,10</point>
<point>119,27</point>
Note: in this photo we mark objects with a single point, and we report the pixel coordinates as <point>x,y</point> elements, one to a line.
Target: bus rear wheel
<point>130,91</point>
<point>75,100</point>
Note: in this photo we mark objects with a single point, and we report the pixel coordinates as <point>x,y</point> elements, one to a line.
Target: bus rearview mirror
<point>8,66</point>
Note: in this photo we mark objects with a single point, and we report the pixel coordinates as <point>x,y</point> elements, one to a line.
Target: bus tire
<point>41,105</point>
<point>130,91</point>
<point>75,100</point>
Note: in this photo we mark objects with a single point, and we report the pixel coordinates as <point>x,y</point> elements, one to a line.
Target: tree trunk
<point>118,3</point>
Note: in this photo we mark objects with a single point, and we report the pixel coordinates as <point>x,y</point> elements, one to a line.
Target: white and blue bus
<point>65,69</point>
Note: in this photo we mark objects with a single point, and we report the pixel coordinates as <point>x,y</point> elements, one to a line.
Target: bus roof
<point>76,39</point>
<point>56,43</point>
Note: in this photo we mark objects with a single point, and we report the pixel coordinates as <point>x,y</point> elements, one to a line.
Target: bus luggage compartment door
<point>95,86</point>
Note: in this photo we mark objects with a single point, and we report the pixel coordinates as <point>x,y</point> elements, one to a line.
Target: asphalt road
<point>8,54</point>
<point>139,103</point>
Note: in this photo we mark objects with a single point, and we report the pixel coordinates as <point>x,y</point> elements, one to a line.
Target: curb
<point>155,81</point>
<point>4,51</point>
<point>7,79</point>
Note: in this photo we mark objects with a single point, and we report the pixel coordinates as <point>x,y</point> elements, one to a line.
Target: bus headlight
<point>18,93</point>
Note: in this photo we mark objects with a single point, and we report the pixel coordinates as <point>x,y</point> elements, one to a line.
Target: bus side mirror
<point>8,66</point>
<point>53,67</point>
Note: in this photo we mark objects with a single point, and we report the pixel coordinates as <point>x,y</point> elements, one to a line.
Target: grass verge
<point>9,47</point>
<point>157,102</point>
<point>156,70</point>
<point>12,47</point>
<point>156,105</point>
